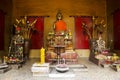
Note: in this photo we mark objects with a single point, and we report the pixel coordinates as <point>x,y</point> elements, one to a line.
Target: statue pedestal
<point>40,69</point>
<point>55,74</point>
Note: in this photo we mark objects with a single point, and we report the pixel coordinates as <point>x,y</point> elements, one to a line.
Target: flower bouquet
<point>26,27</point>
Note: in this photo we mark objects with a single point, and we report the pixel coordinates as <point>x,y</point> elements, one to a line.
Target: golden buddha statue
<point>59,24</point>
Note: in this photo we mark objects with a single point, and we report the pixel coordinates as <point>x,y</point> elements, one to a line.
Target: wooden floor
<point>94,73</point>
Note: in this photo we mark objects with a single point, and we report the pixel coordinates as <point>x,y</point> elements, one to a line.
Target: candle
<point>42,55</point>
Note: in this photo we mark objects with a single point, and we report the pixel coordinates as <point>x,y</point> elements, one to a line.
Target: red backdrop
<point>2,23</point>
<point>37,35</point>
<point>81,38</point>
<point>117,29</point>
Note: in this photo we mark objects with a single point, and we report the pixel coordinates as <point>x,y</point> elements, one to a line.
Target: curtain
<point>116,22</point>
<point>2,25</point>
<point>81,37</point>
<point>38,33</point>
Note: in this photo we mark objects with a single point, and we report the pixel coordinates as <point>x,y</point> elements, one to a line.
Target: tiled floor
<point>94,73</point>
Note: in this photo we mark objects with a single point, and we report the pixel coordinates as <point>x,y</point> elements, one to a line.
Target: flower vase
<point>26,48</point>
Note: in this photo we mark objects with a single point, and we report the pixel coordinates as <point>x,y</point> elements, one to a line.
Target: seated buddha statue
<point>59,24</point>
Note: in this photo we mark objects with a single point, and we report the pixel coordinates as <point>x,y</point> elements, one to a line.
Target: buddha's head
<point>59,16</point>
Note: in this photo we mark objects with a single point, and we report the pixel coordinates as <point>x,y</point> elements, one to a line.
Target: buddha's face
<point>59,16</point>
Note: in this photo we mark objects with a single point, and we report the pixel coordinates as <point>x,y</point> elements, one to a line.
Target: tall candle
<point>42,55</point>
